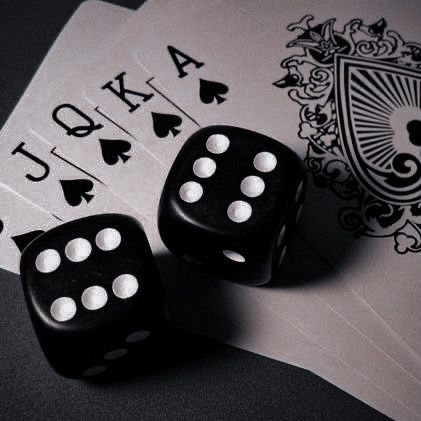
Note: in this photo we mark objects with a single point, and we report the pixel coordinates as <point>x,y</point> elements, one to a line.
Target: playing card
<point>413,365</point>
<point>20,223</point>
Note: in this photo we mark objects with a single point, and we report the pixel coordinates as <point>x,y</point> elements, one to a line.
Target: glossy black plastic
<point>88,338</point>
<point>200,232</point>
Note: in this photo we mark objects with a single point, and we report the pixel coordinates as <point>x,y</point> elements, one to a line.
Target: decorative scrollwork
<point>310,80</point>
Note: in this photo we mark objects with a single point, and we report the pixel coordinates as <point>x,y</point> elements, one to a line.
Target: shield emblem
<point>379,118</point>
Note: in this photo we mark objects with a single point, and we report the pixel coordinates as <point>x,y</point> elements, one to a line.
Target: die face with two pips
<point>93,292</point>
<point>230,203</point>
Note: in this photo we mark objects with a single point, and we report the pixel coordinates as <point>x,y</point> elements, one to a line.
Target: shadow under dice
<point>231,201</point>
<point>93,293</point>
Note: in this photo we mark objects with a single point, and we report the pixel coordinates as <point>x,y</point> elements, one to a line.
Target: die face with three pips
<point>231,201</point>
<point>93,293</point>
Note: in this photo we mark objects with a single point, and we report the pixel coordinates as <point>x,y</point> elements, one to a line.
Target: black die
<point>231,201</point>
<point>93,293</point>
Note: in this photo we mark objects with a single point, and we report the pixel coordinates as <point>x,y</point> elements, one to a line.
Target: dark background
<point>195,378</point>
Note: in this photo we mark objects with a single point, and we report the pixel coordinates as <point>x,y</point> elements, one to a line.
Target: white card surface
<point>309,356</point>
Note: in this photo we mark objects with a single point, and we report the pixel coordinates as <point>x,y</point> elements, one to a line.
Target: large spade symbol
<point>368,93</point>
<point>23,240</point>
<point>414,131</point>
<point>114,149</point>
<point>77,190</point>
<point>211,91</point>
<point>164,124</point>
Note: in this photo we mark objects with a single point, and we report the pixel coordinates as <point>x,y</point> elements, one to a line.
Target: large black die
<point>231,201</point>
<point>93,293</point>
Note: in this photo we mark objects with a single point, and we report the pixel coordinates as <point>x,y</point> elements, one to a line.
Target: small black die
<point>93,292</point>
<point>231,201</point>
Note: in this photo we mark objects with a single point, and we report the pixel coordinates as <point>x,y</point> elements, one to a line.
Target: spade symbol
<point>77,190</point>
<point>23,240</point>
<point>210,91</point>
<point>114,149</point>
<point>1,226</point>
<point>414,131</point>
<point>163,124</point>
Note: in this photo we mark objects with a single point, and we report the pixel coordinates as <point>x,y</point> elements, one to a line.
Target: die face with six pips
<point>231,201</point>
<point>93,292</point>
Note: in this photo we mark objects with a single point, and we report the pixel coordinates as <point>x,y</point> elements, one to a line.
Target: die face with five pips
<point>231,201</point>
<point>93,292</point>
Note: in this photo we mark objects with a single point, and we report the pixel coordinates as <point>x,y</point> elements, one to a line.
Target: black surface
<point>200,378</point>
